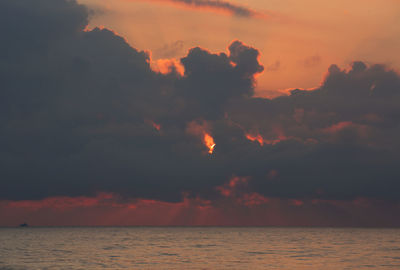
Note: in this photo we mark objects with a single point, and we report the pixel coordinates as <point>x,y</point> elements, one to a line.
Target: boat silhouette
<point>24,224</point>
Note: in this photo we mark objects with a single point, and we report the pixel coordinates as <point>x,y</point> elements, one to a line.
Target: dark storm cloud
<point>212,79</point>
<point>83,112</point>
<point>75,109</point>
<point>28,26</point>
<point>338,141</point>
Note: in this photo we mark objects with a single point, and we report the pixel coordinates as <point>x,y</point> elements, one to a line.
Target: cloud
<point>311,61</point>
<point>215,6</point>
<point>212,79</point>
<point>274,66</point>
<point>223,5</point>
<point>340,136</point>
<point>76,115</point>
<point>170,50</point>
<point>240,209</point>
<point>83,113</point>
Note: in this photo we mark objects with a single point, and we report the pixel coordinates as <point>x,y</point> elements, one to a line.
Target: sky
<point>298,40</point>
<point>199,113</point>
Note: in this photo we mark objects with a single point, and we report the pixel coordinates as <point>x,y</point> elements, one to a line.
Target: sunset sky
<point>200,112</point>
<point>298,40</point>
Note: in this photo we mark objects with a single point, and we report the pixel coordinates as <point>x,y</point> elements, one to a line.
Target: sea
<point>198,248</point>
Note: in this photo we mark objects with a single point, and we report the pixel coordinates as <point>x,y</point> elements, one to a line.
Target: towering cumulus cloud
<point>83,113</point>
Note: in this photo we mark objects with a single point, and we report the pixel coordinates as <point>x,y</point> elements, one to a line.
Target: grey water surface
<point>199,248</point>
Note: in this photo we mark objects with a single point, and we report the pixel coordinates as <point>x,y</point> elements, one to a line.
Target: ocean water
<point>199,248</point>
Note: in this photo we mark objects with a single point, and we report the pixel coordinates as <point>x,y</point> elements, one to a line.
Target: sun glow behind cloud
<point>209,142</point>
<point>201,130</point>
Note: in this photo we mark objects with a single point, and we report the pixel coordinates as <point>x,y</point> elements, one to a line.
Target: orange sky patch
<point>305,37</point>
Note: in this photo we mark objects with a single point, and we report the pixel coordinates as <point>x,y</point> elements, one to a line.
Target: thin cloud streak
<point>224,5</point>
<point>214,6</point>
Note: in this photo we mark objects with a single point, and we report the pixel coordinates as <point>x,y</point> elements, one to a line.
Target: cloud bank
<point>82,112</point>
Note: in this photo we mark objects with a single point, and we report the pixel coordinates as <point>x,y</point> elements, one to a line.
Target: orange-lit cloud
<point>235,190</point>
<point>360,131</point>
<point>240,209</point>
<point>165,66</point>
<point>155,125</point>
<point>64,202</point>
<point>338,127</point>
<point>229,189</point>
<point>258,138</point>
<point>254,138</point>
<point>278,134</point>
